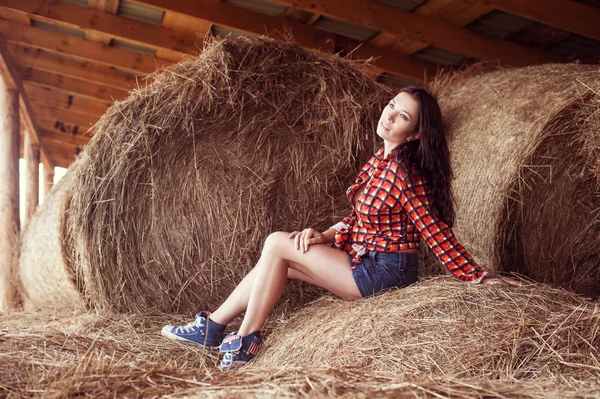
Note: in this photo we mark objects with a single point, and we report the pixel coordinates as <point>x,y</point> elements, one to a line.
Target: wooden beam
<point>60,138</point>
<point>55,99</point>
<point>9,190</point>
<point>70,85</point>
<point>32,177</point>
<point>394,21</point>
<point>563,14</point>
<point>48,181</point>
<point>62,120</point>
<point>185,24</point>
<point>256,23</point>
<point>452,12</point>
<point>109,6</point>
<point>9,71</point>
<point>96,52</point>
<point>30,57</point>
<point>90,19</point>
<point>62,155</point>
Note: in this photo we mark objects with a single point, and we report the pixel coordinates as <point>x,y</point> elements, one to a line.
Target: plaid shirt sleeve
<point>412,192</point>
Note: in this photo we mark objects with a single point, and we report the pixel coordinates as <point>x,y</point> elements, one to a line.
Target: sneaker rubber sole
<point>168,334</point>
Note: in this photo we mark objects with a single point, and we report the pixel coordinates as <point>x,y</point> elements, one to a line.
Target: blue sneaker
<point>239,350</point>
<point>202,331</point>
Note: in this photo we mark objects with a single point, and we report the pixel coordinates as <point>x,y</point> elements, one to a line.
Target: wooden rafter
<point>59,137</point>
<point>72,85</point>
<point>57,99</point>
<point>394,21</point>
<point>49,116</point>
<point>563,14</point>
<point>109,6</point>
<point>453,12</point>
<point>96,52</point>
<point>11,75</point>
<point>62,155</point>
<point>30,57</point>
<point>87,18</point>
<point>247,21</point>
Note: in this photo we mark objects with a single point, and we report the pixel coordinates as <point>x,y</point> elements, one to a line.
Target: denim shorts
<point>380,271</point>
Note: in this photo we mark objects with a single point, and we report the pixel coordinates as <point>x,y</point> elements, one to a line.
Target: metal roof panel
<point>352,31</point>
<point>439,56</point>
<point>406,5</point>
<point>499,24</point>
<point>140,12</point>
<point>64,30</point>
<point>396,82</point>
<point>133,47</point>
<point>571,45</point>
<point>261,6</point>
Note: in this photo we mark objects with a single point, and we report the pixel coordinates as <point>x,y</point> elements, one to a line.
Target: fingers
<point>303,239</point>
<point>306,236</point>
<point>502,281</point>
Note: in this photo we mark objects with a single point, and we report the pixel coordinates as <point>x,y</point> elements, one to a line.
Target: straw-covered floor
<point>185,178</point>
<point>438,339</point>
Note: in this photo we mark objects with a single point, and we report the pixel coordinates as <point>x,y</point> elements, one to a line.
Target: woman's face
<point>399,120</point>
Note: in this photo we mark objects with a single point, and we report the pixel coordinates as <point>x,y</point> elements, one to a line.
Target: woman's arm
<point>412,195</point>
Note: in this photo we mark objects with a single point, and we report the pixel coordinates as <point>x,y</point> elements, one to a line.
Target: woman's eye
<point>404,117</point>
<point>391,105</point>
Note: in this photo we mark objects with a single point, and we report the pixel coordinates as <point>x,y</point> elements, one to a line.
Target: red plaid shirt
<point>392,213</point>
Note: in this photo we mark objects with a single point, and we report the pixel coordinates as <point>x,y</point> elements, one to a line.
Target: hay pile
<point>443,327</point>
<point>57,356</point>
<point>525,150</point>
<point>184,179</point>
<point>45,269</point>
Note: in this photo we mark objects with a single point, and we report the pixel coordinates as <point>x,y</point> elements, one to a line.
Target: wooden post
<point>32,177</point>
<point>48,180</point>
<point>9,192</point>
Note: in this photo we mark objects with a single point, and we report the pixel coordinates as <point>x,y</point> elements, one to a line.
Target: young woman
<point>402,194</point>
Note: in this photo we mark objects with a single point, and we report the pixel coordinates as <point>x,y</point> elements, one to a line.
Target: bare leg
<point>237,302</point>
<point>326,266</point>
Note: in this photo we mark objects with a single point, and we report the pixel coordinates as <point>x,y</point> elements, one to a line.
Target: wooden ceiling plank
<point>91,51</point>
<point>61,155</point>
<point>87,18</point>
<point>394,21</point>
<point>49,117</point>
<point>453,12</point>
<point>10,72</point>
<point>563,14</point>
<point>65,138</point>
<point>247,21</point>
<point>75,86</point>
<point>56,99</point>
<point>30,57</point>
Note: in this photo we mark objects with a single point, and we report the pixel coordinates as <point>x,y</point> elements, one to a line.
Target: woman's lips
<point>384,126</point>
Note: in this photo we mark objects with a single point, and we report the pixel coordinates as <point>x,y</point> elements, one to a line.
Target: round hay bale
<point>524,149</point>
<point>446,327</point>
<point>45,270</point>
<point>184,179</point>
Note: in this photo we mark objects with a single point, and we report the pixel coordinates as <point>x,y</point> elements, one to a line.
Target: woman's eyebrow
<point>409,115</point>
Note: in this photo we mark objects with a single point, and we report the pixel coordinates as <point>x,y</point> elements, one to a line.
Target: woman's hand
<point>501,281</point>
<point>306,237</point>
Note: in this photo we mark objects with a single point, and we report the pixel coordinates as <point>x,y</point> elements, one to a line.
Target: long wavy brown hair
<point>431,155</point>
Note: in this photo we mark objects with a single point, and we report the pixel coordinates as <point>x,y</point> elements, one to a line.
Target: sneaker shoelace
<point>191,326</point>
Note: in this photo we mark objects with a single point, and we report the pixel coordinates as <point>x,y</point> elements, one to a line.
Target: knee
<point>274,240</point>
